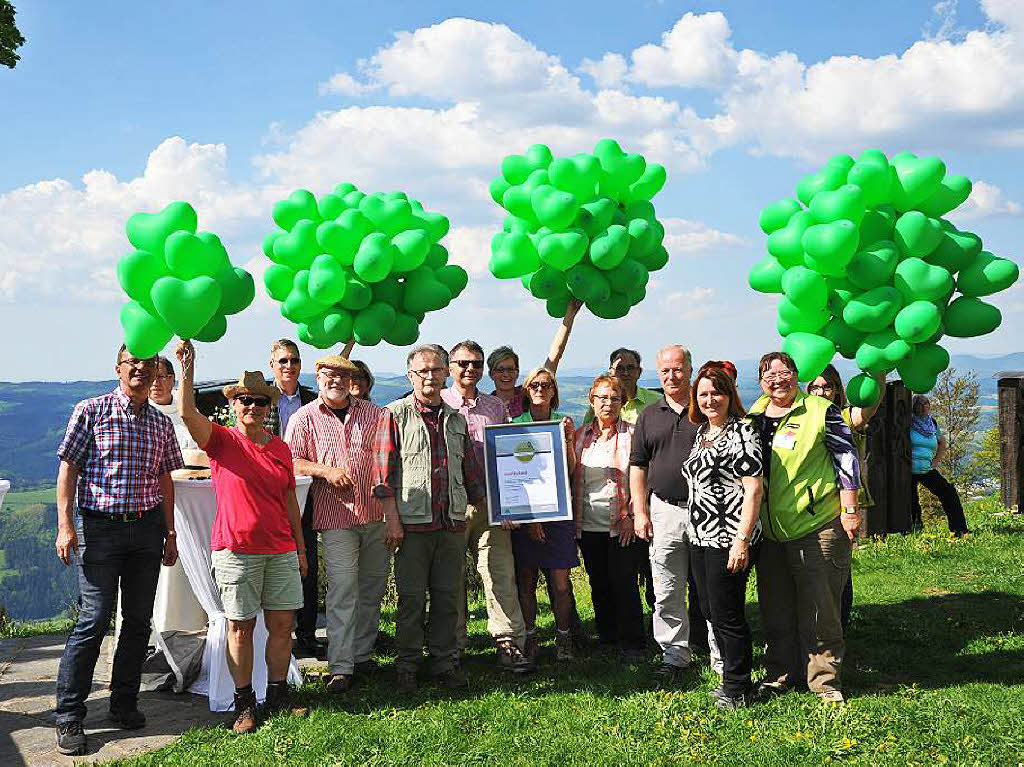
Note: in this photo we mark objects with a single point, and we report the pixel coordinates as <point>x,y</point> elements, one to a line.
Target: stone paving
<point>28,673</point>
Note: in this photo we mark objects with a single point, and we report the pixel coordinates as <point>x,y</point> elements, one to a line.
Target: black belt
<point>681,502</point>
<point>121,516</point>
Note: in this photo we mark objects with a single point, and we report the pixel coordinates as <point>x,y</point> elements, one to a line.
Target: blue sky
<point>118,107</point>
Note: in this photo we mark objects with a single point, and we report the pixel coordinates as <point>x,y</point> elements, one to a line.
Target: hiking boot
<point>511,658</point>
<point>406,682</point>
<point>245,712</point>
<point>339,683</point>
<point>731,702</point>
<point>127,718</point>
<point>279,701</point>
<point>632,656</point>
<point>532,648</point>
<point>564,650</point>
<point>365,667</point>
<point>71,738</point>
<point>832,696</point>
<point>667,673</point>
<point>452,679</point>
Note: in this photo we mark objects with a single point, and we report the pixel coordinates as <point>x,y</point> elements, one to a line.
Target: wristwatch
<point>850,510</point>
<point>742,537</point>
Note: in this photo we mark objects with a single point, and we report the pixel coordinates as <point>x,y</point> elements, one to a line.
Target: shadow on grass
<point>935,641</point>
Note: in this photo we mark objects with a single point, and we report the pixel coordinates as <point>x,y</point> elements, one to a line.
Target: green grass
<point>36,628</point>
<point>15,500</point>
<point>933,675</point>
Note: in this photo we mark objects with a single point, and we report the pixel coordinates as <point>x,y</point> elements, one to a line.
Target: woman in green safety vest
<point>809,519</point>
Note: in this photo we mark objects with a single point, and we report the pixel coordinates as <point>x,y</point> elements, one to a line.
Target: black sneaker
<point>127,718</point>
<point>731,702</point>
<point>71,739</point>
<point>406,682</point>
<point>666,673</point>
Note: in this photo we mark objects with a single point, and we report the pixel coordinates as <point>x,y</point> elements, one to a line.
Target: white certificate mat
<point>526,473</point>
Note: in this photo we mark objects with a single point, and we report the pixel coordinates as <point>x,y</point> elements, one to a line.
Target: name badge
<point>785,440</point>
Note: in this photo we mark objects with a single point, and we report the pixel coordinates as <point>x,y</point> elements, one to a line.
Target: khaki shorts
<point>248,582</point>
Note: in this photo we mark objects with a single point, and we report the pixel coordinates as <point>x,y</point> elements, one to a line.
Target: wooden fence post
<point>1011,434</point>
<point>888,457</point>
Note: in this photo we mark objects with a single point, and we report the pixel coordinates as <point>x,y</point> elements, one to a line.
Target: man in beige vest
<point>434,473</point>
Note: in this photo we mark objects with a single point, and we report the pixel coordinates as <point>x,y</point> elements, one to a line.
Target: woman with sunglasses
<point>830,386</point>
<point>611,552</point>
<point>809,520</point>
<point>258,549</point>
<point>547,546</point>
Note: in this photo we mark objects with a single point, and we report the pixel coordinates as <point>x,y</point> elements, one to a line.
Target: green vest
<point>803,493</point>
<point>413,492</point>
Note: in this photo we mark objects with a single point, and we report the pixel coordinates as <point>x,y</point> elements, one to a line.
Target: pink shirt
<point>485,409</point>
<point>251,483</point>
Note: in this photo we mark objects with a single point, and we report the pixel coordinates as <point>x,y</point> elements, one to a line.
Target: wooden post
<point>888,457</point>
<point>1011,435</point>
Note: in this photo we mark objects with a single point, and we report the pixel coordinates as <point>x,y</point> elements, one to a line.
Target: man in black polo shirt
<point>662,441</point>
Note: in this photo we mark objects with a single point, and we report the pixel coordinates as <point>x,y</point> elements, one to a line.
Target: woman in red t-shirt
<point>258,551</point>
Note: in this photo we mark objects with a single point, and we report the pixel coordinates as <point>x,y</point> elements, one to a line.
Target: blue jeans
<point>111,554</point>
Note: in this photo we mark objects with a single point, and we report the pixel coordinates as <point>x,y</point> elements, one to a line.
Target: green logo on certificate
<point>525,451</point>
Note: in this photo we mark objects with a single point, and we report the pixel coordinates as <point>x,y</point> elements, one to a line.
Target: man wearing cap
<point>434,473</point>
<point>116,460</point>
<point>336,439</point>
<point>286,365</point>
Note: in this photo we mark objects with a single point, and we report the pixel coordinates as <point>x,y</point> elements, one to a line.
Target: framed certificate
<point>527,472</point>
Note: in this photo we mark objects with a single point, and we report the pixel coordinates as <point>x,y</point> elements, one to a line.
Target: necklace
<point>712,434</point>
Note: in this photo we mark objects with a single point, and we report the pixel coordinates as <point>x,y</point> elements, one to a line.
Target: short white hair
<point>664,350</point>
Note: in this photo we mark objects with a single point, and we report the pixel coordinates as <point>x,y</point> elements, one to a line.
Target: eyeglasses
<point>163,378</point>
<point>464,364</point>
<point>769,378</point>
<point>248,401</point>
<point>134,362</point>
<point>429,372</point>
<point>359,378</point>
<point>335,375</point>
<point>821,388</point>
<point>685,372</point>
<point>504,371</point>
<point>289,361</point>
<point>605,398</point>
<point>541,386</point>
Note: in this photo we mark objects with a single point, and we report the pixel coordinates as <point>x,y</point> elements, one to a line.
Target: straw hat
<point>252,382</point>
<point>337,362</point>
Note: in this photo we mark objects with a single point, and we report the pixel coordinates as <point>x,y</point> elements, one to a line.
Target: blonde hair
<point>530,377</point>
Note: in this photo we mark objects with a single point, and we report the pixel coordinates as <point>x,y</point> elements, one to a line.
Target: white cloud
<point>691,304</point>
<point>683,236</point>
<point>608,71</point>
<point>344,84</point>
<point>470,248</point>
<point>987,200</point>
<point>695,53</point>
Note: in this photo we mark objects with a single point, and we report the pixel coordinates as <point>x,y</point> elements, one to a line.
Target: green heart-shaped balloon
<point>299,305</point>
<point>437,257</point>
<point>956,249</point>
<point>863,390</point>
<point>642,237</point>
<point>649,184</point>
<point>424,292</point>
<point>987,274</point>
<point>882,351</point>
<point>917,179</point>
<point>877,225</point>
<point>513,255</point>
<point>917,321</point>
<point>453,277</point>
<point>326,282</point>
<point>237,290</point>
<point>516,168</point>
<point>874,179</point>
<point>920,371</point>
<point>300,205</point>
<point>618,169</point>
<point>404,331</point>
<point>826,180</point>
<point>916,234</point>
<point>515,225</point>
<point>343,236</point>
<point>917,279</point>
<point>546,283</point>
<point>588,284</point>
<point>577,175</point>
<point>214,330</point>
<point>186,305</point>
<point>278,280</point>
<point>375,258</point>
<point>553,208</point>
<point>144,335</point>
<point>216,259</point>
<point>149,231</point>
<point>370,325</point>
<point>331,206</point>
<point>412,247</point>
<point>389,291</point>
<point>497,189</point>
<point>967,317</point>
<point>358,295</point>
<point>952,192</point>
<point>594,217</point>
<point>766,275</point>
<point>786,244</point>
<point>186,256</point>
<point>805,288</point>
<point>517,201</point>
<point>810,352</point>
<point>612,308</point>
<point>389,215</point>
<point>797,319</point>
<point>777,214</point>
<point>608,249</point>
<point>873,267</point>
<point>846,202</point>
<point>828,248</point>
<point>874,309</point>
<point>435,225</point>
<point>653,259</point>
<point>557,306</point>
<point>137,272</point>
<point>299,247</point>
<point>846,339</point>
<point>628,276</point>
<point>353,198</point>
<point>563,250</point>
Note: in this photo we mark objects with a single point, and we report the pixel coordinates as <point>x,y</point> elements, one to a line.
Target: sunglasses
<point>538,386</point>
<point>289,361</point>
<point>247,400</point>
<point>475,364</point>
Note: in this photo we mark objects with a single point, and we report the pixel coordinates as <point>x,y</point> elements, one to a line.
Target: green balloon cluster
<point>579,227</point>
<point>870,268</point>
<point>179,282</point>
<point>352,265</point>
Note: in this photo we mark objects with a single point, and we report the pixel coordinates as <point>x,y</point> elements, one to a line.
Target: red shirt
<point>251,483</point>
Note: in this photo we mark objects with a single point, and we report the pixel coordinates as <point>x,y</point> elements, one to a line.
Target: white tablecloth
<point>5,485</point>
<point>194,509</point>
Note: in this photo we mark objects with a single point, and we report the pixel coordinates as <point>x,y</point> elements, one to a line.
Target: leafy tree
<point>985,464</point>
<point>955,406</point>
<point>10,38</point>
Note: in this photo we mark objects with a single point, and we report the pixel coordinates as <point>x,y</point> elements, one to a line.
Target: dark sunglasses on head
<point>247,400</point>
<point>475,364</point>
<point>291,360</point>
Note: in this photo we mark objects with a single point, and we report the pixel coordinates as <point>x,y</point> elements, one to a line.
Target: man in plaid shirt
<point>116,462</point>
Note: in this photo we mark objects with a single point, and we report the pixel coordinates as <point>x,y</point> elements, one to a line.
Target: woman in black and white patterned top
<point>724,474</point>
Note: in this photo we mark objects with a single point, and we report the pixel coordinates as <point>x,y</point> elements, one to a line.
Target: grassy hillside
<point>934,670</point>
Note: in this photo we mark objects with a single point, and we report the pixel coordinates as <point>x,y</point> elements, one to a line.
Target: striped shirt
<point>121,456</point>
<point>355,445</point>
<point>485,410</point>
<point>618,471</point>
